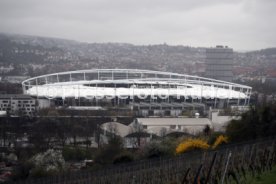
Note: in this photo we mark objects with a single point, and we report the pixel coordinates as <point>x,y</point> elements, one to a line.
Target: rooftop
<point>174,121</point>
<point>14,96</point>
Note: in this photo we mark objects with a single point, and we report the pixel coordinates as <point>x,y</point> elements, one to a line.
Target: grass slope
<point>265,178</point>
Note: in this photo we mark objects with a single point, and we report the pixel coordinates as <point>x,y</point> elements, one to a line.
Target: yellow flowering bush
<point>191,144</point>
<point>219,140</point>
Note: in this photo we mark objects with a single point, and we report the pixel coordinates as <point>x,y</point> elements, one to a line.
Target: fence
<point>229,164</point>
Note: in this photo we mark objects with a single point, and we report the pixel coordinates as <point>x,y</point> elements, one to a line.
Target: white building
<point>163,126</point>
<point>15,79</point>
<point>17,104</point>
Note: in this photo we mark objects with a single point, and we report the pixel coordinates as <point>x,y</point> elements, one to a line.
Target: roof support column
<point>239,97</point>
<point>201,92</point>
<point>228,98</point>
<point>248,101</point>
<point>245,99</point>
<point>36,83</point>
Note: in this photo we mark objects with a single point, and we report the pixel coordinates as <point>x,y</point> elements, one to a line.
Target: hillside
<point>32,55</point>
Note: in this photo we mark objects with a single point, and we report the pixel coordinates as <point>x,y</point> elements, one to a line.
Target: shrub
<point>76,153</point>
<point>21,172</point>
<point>258,122</point>
<point>107,153</point>
<point>158,149</point>
<point>47,163</point>
<point>212,138</point>
<point>124,157</point>
<point>219,140</point>
<point>190,144</point>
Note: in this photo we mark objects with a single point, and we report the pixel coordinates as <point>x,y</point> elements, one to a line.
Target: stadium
<point>143,91</point>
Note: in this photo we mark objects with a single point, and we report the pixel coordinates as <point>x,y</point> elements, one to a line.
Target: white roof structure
<point>188,125</point>
<point>116,128</point>
<point>174,121</point>
<point>100,83</point>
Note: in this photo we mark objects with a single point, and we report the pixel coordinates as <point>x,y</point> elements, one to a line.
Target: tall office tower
<point>219,63</point>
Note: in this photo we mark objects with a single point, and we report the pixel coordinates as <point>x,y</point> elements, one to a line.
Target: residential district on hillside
<point>33,56</point>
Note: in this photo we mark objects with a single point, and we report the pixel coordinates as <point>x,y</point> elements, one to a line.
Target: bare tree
<point>136,134</point>
<point>163,132</point>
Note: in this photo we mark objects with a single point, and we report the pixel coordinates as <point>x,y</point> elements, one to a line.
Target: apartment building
<point>17,104</point>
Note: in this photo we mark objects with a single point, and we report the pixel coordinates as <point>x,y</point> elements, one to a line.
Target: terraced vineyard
<point>229,164</point>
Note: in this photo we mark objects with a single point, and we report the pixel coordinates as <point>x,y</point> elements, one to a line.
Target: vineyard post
<point>226,167</point>
<point>251,153</point>
<point>273,150</point>
<point>211,166</point>
<point>185,176</point>
<point>197,174</point>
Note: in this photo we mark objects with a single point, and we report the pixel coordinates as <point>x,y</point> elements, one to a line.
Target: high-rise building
<point>219,61</point>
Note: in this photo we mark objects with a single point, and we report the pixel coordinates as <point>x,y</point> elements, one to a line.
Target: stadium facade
<point>144,92</point>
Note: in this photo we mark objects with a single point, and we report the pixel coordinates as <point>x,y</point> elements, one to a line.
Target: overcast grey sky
<point>241,24</point>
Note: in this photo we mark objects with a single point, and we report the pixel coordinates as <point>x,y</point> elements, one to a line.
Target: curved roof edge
<point>135,70</point>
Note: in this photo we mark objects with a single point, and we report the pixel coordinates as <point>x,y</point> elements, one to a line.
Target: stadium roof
<point>96,83</point>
